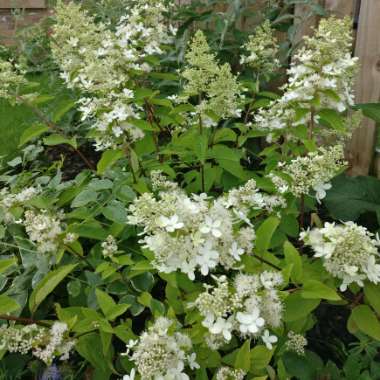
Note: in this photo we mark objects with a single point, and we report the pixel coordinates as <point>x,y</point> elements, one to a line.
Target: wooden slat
<point>340,8</point>
<point>27,4</point>
<point>368,84</point>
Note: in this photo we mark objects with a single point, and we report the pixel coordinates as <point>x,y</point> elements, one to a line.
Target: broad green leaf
<point>90,347</point>
<point>109,157</point>
<point>243,357</point>
<point>265,232</point>
<point>362,194</point>
<point>371,110</point>
<point>224,134</point>
<point>313,289</point>
<point>372,293</point>
<point>293,258</point>
<point>47,285</point>
<point>58,140</point>
<point>63,108</point>
<point>32,132</point>
<point>7,263</point>
<point>8,304</point>
<point>91,230</point>
<point>108,306</point>
<point>143,282</point>
<point>332,118</point>
<point>366,321</point>
<point>116,212</point>
<point>144,125</point>
<point>260,357</point>
<point>84,197</point>
<point>297,307</point>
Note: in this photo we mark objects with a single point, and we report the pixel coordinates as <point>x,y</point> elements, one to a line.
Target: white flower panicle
<point>100,63</point>
<point>263,49</point>
<point>247,307</point>
<point>228,373</point>
<point>45,344</point>
<point>349,252</point>
<point>109,246</point>
<point>311,172</point>
<point>44,229</point>
<point>11,79</point>
<point>296,343</point>
<point>8,200</point>
<point>213,84</point>
<point>194,233</point>
<point>162,352</point>
<point>321,76</point>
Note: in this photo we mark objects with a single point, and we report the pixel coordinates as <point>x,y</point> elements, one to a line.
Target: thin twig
<point>266,262</point>
<point>25,321</point>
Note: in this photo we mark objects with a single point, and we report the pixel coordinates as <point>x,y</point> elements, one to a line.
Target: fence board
<point>368,84</point>
<point>28,4</point>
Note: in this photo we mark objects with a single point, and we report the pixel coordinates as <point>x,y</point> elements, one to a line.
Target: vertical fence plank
<point>361,148</point>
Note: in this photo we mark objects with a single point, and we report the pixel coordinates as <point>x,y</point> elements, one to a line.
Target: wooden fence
<point>366,14</point>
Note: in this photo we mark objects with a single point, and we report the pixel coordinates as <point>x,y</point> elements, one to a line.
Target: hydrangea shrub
<point>193,243</point>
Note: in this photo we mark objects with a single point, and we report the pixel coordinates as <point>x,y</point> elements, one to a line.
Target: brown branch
<point>24,321</point>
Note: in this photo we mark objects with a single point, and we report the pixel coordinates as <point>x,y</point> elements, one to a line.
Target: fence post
<point>361,148</point>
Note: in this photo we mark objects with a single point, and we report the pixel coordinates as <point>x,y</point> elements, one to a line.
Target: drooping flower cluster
<point>228,373</point>
<point>9,200</point>
<point>263,49</point>
<point>162,352</point>
<point>43,229</point>
<point>213,84</point>
<point>247,307</point>
<point>296,343</point>
<point>321,76</point>
<point>349,252</point>
<point>311,172</point>
<point>100,63</point>
<point>44,343</point>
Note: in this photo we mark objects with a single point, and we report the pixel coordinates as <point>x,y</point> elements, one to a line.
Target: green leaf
<point>372,293</point>
<point>143,282</point>
<point>293,258</point>
<point>47,285</point>
<point>243,357</point>
<point>84,197</point>
<point>8,304</point>
<point>366,321</point>
<point>265,232</point>
<point>90,347</point>
<point>108,306</point>
<point>32,132</point>
<point>63,108</point>
<point>313,289</point>
<point>116,212</point>
<point>332,118</point>
<point>109,157</point>
<point>362,194</point>
<point>297,307</point>
<point>224,134</point>
<point>144,125</point>
<point>7,263</point>
<point>371,110</point>
<point>59,139</point>
<point>260,357</point>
